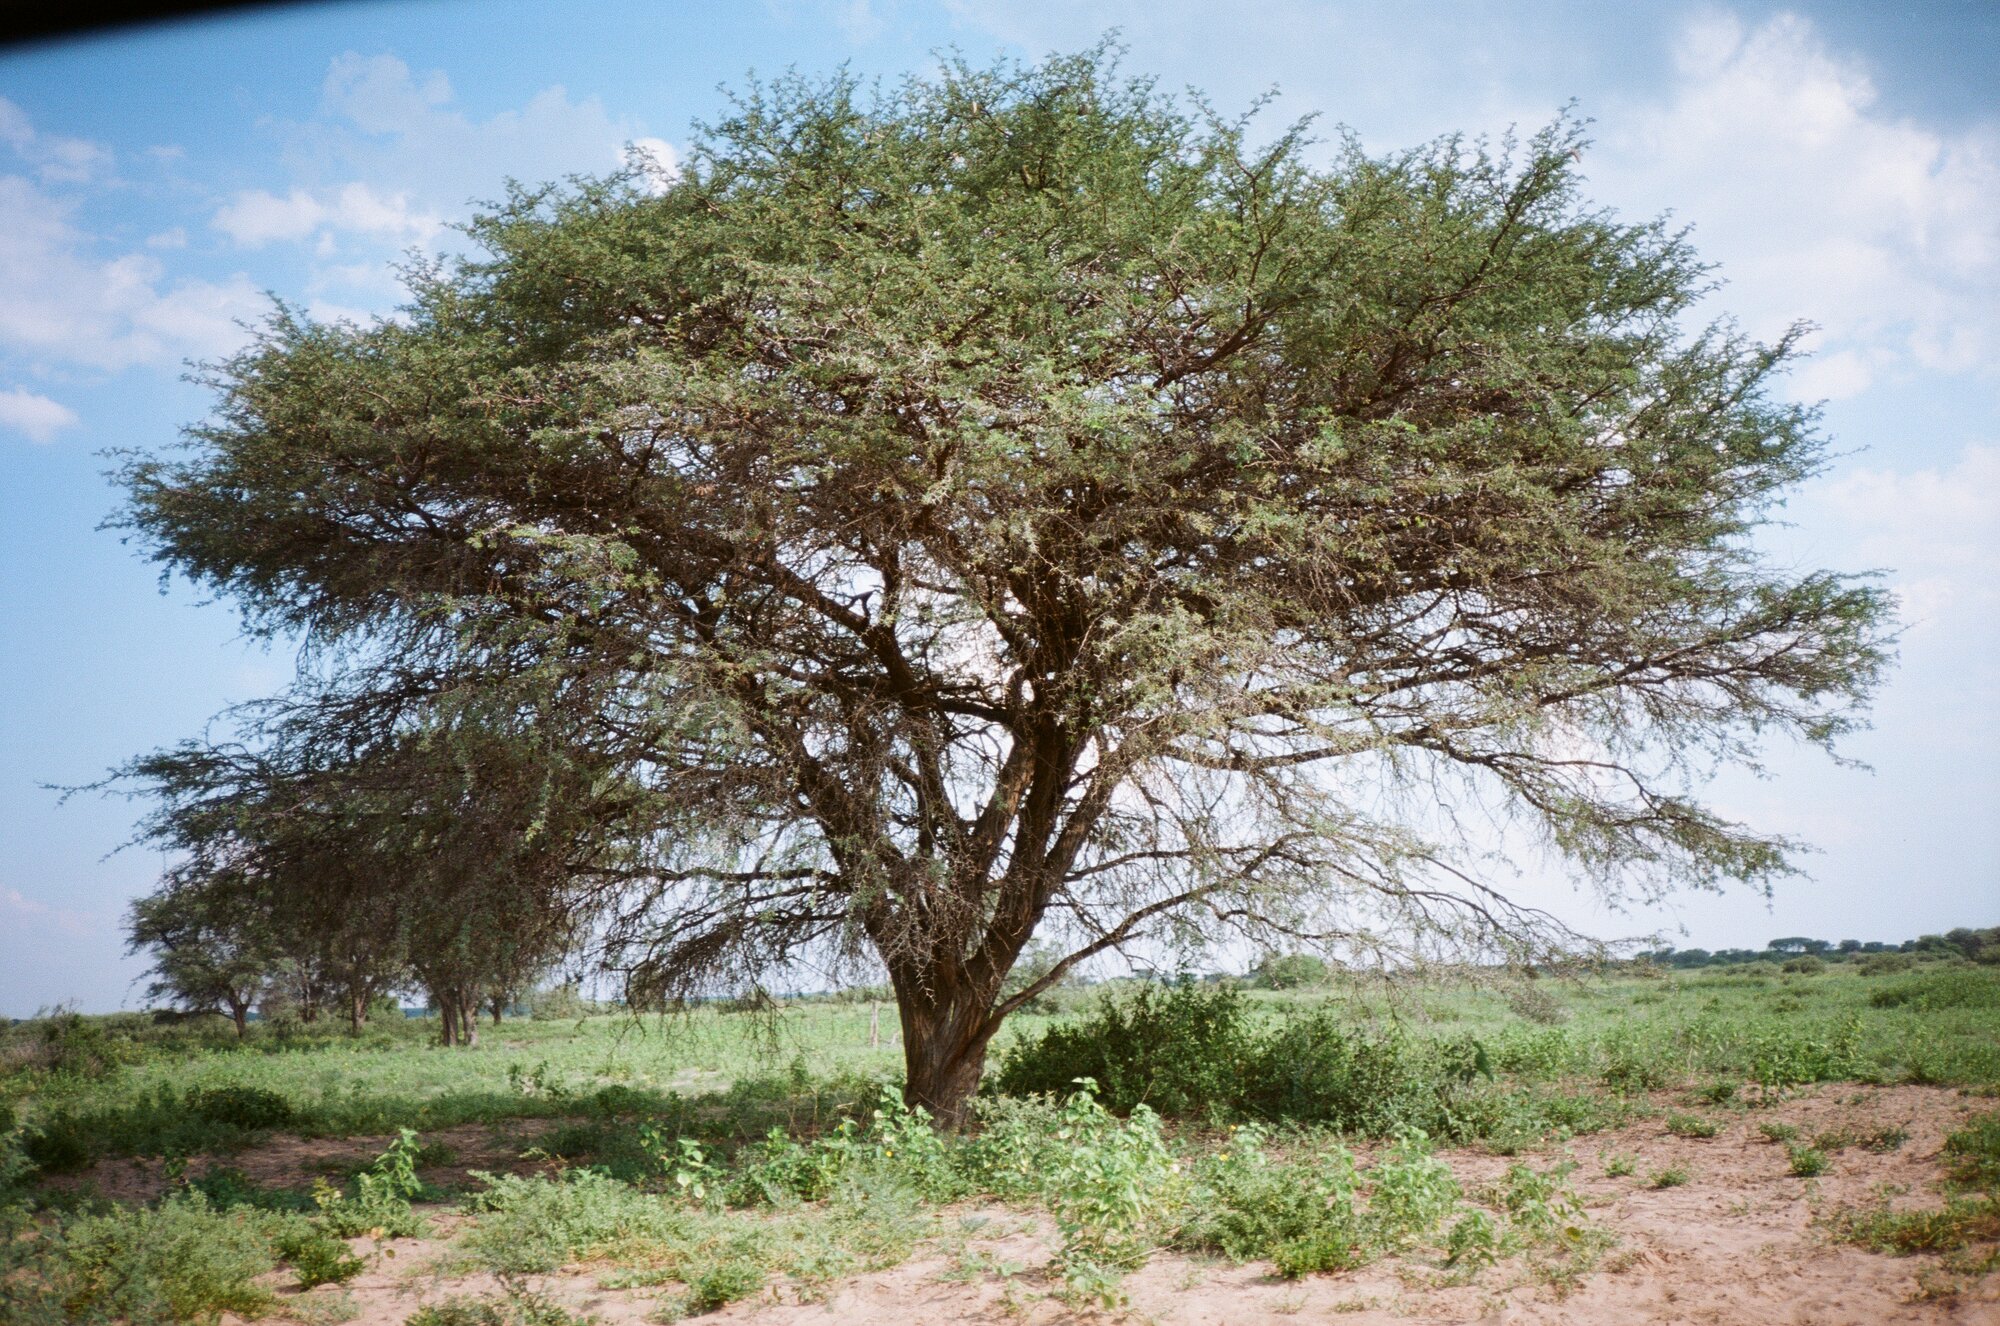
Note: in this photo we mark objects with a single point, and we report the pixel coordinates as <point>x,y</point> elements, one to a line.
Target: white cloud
<point>1819,205</point>
<point>65,304</point>
<point>38,417</point>
<point>66,919</point>
<point>256,217</point>
<point>1936,530</point>
<point>655,160</point>
<point>403,134</point>
<point>55,158</point>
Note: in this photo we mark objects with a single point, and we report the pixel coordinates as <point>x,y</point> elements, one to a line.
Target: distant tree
<point>207,954</point>
<point>1017,506</point>
<point>1289,971</point>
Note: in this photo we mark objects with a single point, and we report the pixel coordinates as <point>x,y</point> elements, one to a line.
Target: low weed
<point>1807,1162</point>
<point>379,1206</point>
<point>1778,1132</point>
<point>1692,1125</point>
<point>1673,1176</point>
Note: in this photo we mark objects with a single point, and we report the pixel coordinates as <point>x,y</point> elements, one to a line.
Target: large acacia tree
<point>1013,504</point>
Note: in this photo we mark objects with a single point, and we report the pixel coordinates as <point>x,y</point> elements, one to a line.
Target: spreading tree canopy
<point>1019,504</point>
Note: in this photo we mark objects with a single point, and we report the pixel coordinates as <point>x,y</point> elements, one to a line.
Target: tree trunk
<point>468,1022</point>
<point>495,1005</point>
<point>239,1013</point>
<point>448,1016</point>
<point>944,1053</point>
<point>357,1010</point>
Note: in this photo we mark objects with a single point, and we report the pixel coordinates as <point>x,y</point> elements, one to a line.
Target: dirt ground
<point>1738,1243</point>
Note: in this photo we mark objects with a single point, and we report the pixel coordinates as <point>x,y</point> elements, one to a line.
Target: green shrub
<point>1692,1125</point>
<point>1248,1206</point>
<point>1941,987</point>
<point>60,1145</point>
<point>317,1257</point>
<point>1972,1153</point>
<point>1673,1176</point>
<point>1180,1051</point>
<point>1805,964</point>
<point>1807,1161</point>
<point>1289,971</point>
<point>179,1261</point>
<point>725,1282</point>
<point>248,1108</point>
<point>1109,1190</point>
<point>1778,1132</point>
<point>535,1224</point>
<point>1313,1070</point>
<point>379,1206</point>
<point>513,1309</point>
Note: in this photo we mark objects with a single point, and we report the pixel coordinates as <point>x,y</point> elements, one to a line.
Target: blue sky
<point>1841,162</point>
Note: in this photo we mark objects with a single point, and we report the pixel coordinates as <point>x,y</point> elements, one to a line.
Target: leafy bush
<point>1307,1216</point>
<point>1883,964</point>
<point>1805,964</point>
<point>1311,1069</point>
<point>1807,1161</point>
<point>1973,1153</point>
<point>535,1224</point>
<point>1109,1192</point>
<point>1673,1176</point>
<point>1289,971</point>
<point>1691,1125</point>
<point>1181,1051</point>
<point>179,1261</point>
<point>1940,988</point>
<point>60,1145</point>
<point>317,1257</point>
<point>380,1203</point>
<point>248,1108</point>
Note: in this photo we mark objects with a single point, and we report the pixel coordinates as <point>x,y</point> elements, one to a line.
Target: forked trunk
<point>944,1053</point>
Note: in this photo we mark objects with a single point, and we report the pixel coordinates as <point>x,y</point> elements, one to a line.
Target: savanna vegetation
<point>1301,1128</point>
<point>954,536</point>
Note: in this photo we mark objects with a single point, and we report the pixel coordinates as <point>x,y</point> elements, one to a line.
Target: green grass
<point>713,1154</point>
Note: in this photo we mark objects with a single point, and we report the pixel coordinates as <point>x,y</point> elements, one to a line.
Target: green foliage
<point>534,1224</point>
<point>1289,971</point>
<point>318,1257</point>
<point>177,1262</point>
<point>1806,1161</point>
<point>1692,1125</point>
<point>1972,1153</point>
<point>1179,1051</point>
<point>1672,1176</point>
<point>1110,1190</point>
<point>379,1206</point>
<point>1942,988</point>
<point>1778,1132</point>
<point>1957,1223</point>
<point>516,1308</point>
<point>248,1108</point>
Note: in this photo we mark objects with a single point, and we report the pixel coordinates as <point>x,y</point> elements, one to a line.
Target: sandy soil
<point>1737,1244</point>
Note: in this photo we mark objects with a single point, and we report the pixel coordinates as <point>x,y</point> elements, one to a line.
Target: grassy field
<point>168,1173</point>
